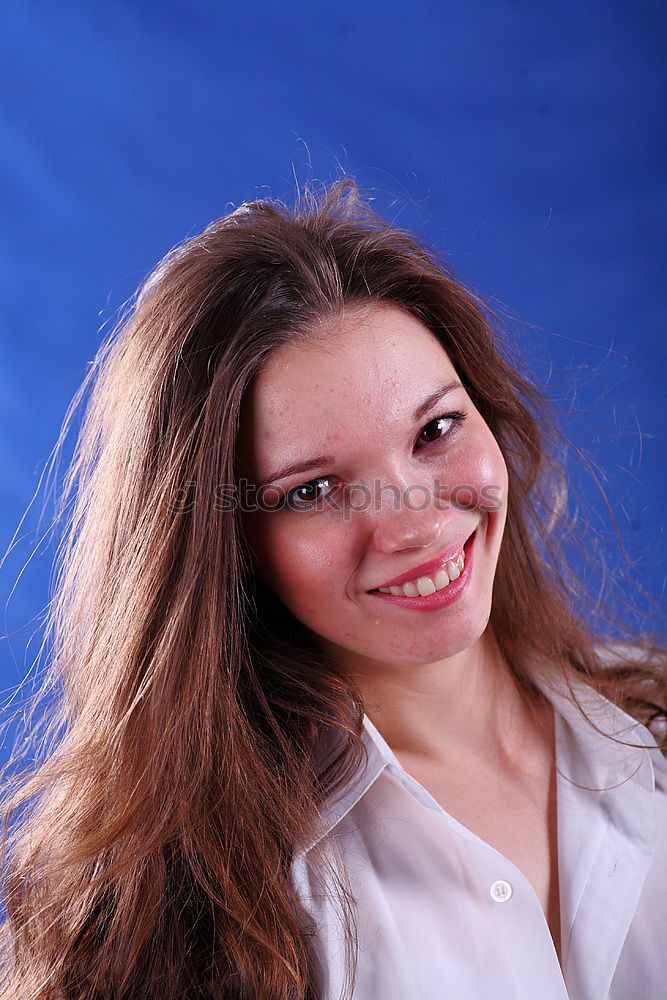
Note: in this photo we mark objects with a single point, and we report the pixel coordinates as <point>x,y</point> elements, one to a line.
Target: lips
<point>425,569</point>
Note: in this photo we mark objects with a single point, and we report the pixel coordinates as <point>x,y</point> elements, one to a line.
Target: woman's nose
<point>408,528</point>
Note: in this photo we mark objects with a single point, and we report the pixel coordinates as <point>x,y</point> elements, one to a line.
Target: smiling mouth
<point>427,584</point>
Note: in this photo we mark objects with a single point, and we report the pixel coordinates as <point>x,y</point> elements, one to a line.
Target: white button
<point>501,891</point>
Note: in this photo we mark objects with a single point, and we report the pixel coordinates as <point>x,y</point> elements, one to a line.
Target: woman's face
<point>391,486</point>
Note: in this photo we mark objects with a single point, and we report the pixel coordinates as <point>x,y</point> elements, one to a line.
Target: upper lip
<point>424,569</point>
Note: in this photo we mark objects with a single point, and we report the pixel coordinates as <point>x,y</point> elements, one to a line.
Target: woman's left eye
<point>306,495</point>
<point>439,427</point>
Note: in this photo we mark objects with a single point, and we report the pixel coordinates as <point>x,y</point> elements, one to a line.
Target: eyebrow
<point>316,463</point>
<point>442,390</point>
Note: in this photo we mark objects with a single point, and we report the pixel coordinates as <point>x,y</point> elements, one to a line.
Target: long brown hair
<point>147,854</point>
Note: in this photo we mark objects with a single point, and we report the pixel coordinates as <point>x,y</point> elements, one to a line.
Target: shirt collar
<point>586,755</point>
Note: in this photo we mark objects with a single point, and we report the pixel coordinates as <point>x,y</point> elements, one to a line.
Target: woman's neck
<point>464,707</point>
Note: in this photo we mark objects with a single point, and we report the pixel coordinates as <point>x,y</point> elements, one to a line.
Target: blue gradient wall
<point>524,139</point>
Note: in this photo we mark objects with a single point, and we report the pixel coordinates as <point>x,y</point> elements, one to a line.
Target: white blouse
<point>442,915</point>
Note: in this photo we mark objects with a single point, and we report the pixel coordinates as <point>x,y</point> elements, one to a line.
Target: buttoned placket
<point>521,928</point>
<point>605,845</point>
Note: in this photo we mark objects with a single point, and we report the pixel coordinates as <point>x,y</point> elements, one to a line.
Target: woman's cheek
<point>479,465</point>
<point>301,562</point>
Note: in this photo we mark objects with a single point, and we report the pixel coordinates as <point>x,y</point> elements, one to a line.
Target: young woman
<point>332,721</point>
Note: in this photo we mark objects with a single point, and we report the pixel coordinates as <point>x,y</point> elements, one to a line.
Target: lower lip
<point>441,598</point>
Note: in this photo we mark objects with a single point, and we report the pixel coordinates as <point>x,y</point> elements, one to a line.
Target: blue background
<point>524,138</point>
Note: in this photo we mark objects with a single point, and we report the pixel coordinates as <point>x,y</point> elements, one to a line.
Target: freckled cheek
<point>304,563</point>
<point>479,464</point>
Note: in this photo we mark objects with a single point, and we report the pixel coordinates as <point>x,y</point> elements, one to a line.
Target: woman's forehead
<point>362,355</point>
<point>370,369</point>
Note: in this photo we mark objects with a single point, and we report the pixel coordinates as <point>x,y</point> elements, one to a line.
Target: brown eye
<point>304,496</point>
<point>306,492</point>
<point>439,427</point>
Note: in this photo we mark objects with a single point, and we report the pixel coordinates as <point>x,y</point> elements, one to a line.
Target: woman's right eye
<point>303,497</point>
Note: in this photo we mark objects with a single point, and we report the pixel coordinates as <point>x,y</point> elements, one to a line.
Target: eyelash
<point>457,416</point>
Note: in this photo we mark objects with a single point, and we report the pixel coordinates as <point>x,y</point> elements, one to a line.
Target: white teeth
<point>425,585</point>
<point>453,572</point>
